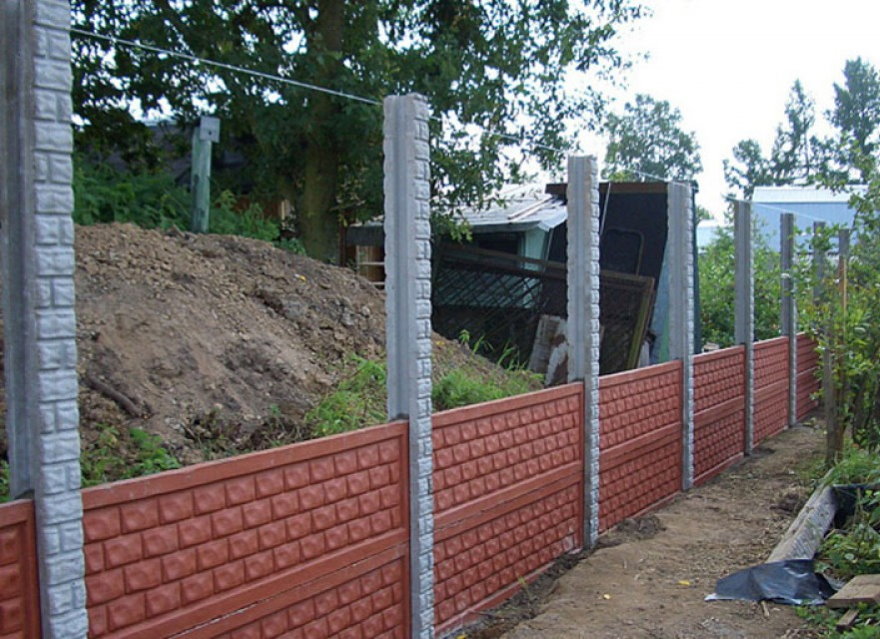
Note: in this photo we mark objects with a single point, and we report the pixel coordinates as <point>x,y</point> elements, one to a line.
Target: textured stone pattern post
<point>41,206</point>
<point>408,328</point>
<point>719,433</point>
<point>789,310</point>
<point>744,309</point>
<point>640,440</point>
<point>583,320</point>
<point>681,312</point>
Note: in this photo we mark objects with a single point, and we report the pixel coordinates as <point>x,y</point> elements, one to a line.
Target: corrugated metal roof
<point>518,208</point>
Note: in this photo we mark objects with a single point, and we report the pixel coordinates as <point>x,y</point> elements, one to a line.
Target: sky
<point>728,66</point>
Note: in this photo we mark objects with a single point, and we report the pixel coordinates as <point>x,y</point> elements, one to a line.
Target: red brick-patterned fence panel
<point>719,411</point>
<point>19,596</point>
<point>808,382</point>
<point>640,431</point>
<point>309,538</point>
<point>771,388</point>
<point>508,496</point>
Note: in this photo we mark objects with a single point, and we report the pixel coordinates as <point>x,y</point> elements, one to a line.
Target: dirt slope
<point>181,333</point>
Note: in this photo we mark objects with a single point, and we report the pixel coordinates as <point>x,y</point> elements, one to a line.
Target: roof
<point>801,195</point>
<point>518,208</point>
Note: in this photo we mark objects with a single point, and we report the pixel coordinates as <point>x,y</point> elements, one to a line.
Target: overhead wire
<point>520,140</point>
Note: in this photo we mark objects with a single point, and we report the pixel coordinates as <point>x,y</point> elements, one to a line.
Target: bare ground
<point>648,577</point>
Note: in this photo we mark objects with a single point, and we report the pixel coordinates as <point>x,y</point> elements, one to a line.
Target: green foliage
<point>856,466</point>
<point>495,64</point>
<point>152,199</point>
<point>826,619</point>
<point>847,326</point>
<point>148,199</point>
<point>358,401</point>
<point>4,480</point>
<point>796,157</point>
<point>717,273</point>
<point>648,137</point>
<point>115,455</point>
<point>461,388</point>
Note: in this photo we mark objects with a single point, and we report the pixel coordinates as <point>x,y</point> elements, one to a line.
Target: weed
<point>358,401</point>
<point>113,456</point>
<point>857,466</point>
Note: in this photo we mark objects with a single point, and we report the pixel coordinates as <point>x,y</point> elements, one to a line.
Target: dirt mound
<point>206,337</point>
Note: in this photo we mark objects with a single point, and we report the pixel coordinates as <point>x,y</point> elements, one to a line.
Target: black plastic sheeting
<point>792,582</point>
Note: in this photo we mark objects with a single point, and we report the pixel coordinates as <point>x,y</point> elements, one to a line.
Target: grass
<point>853,549</point>
<point>114,455</point>
<point>360,398</point>
<point>111,456</point>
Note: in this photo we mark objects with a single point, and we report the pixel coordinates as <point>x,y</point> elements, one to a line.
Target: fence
<point>19,601</point>
<point>313,537</point>
<point>719,411</point>
<point>398,530</point>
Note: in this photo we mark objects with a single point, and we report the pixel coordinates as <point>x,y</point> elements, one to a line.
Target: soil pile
<point>214,340</point>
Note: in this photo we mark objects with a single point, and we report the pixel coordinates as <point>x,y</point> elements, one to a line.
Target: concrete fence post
<point>744,310</point>
<point>408,329</point>
<point>681,311</point>
<point>788,317</point>
<point>36,202</point>
<point>583,320</point>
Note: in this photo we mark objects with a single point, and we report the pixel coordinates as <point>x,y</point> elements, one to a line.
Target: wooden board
<point>859,589</point>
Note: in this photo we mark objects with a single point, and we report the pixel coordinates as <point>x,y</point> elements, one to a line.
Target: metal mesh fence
<point>495,301</point>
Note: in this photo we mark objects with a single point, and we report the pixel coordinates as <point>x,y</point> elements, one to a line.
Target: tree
<point>748,169</point>
<point>793,156</point>
<point>856,116</point>
<point>647,138</point>
<point>498,65</point>
<point>796,155</point>
<point>717,270</point>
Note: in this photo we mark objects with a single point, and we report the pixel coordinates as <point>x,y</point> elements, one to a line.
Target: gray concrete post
<point>681,311</point>
<point>583,320</point>
<point>744,309</point>
<point>38,299</point>
<point>788,318</point>
<point>408,328</point>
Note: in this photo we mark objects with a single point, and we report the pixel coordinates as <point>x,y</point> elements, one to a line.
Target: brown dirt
<point>648,577</point>
<point>217,343</point>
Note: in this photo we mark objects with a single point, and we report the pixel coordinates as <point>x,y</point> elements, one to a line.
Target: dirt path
<point>654,587</point>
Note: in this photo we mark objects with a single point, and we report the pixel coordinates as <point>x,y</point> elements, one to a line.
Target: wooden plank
<point>848,619</point>
<point>859,589</point>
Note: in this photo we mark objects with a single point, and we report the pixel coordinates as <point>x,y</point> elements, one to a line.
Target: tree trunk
<point>318,226</point>
<point>317,223</point>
